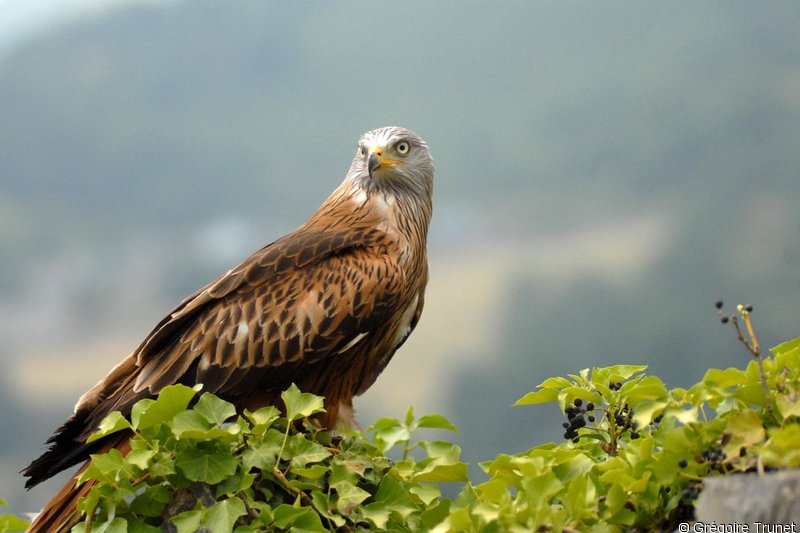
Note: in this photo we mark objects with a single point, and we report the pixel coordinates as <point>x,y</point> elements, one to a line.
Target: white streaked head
<point>393,159</point>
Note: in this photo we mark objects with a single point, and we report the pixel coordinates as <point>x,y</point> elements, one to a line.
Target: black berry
<point>683,463</point>
<point>719,304</point>
<point>724,320</point>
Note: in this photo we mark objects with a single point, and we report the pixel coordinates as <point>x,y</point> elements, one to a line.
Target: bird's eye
<point>361,151</point>
<point>403,147</point>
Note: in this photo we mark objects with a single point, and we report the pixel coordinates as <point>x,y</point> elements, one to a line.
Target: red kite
<point>324,307</point>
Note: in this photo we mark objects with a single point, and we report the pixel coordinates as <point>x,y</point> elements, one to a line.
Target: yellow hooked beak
<point>376,160</point>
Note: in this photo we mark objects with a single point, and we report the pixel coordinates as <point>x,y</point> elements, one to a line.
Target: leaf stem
<point>294,490</point>
<point>691,476</point>
<point>755,349</point>
<point>283,444</point>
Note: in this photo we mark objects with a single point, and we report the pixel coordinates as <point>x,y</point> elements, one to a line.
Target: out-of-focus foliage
<point>10,522</point>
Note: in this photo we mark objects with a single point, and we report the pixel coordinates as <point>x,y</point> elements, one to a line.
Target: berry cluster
<point>692,491</point>
<point>684,511</point>
<point>715,459</point>
<point>575,418</point>
<point>725,318</point>
<point>615,386</point>
<point>623,420</point>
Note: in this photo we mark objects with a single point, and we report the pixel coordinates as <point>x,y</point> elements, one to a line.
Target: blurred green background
<point>605,172</point>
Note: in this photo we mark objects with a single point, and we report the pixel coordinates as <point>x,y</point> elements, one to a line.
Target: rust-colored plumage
<point>324,307</point>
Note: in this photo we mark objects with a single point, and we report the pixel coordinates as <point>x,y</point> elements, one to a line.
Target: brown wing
<point>304,298</point>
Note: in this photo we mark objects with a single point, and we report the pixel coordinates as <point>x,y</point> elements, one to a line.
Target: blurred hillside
<point>604,174</point>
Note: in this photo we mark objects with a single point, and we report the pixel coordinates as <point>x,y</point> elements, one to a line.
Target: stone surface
<point>770,498</point>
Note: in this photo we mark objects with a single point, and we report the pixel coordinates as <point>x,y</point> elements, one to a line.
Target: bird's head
<point>393,159</point>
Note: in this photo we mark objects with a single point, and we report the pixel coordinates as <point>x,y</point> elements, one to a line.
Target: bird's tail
<point>61,513</point>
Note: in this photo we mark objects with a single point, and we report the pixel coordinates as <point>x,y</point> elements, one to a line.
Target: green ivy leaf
<point>301,404</point>
<point>544,395</point>
<point>392,497</point>
<point>151,501</point>
<point>206,465</point>
<point>349,497</point>
<point>624,372</point>
<point>730,377</point>
<point>385,423</point>
<point>648,388</point>
<point>303,451</point>
<point>222,516</point>
<point>191,424</point>
<point>346,471</point>
<point>314,472</point>
<point>437,422</point>
<point>140,458</point>
<point>377,514</point>
<point>435,515</point>
<point>744,429</point>
<point>263,419</point>
<point>427,493</point>
<point>110,424</point>
<point>117,525</point>
<point>171,400</point>
<point>139,526</point>
<point>647,410</point>
<point>388,432</point>
<point>300,519</point>
<point>189,420</point>
<point>409,416</point>
<point>788,406</point>
<point>262,456</point>
<point>442,464</point>
<point>781,450</point>
<point>162,465</point>
<point>556,382</point>
<point>459,520</point>
<point>236,483</point>
<point>789,348</point>
<point>109,466</point>
<point>9,522</point>
<point>188,521</point>
<point>214,409</point>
